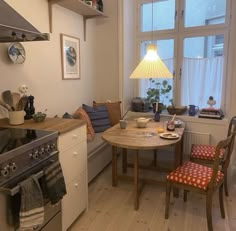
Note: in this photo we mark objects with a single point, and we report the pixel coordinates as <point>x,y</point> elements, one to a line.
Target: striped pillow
<point>81,114</point>
<point>113,109</point>
<point>99,117</point>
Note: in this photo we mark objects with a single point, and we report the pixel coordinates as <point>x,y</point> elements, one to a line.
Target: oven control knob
<point>47,148</point>
<point>12,167</point>
<point>34,155</point>
<point>5,171</point>
<point>41,152</point>
<point>52,146</point>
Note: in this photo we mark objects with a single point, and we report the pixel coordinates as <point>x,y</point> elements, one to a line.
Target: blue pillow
<point>99,117</point>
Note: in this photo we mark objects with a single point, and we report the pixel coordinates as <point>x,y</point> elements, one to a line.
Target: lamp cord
<point>152,21</point>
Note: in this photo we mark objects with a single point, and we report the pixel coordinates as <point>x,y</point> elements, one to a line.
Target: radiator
<point>194,138</point>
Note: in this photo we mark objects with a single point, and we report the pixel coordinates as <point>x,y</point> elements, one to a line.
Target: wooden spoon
<point>7,99</point>
<point>21,104</point>
<point>16,98</point>
<point>6,106</point>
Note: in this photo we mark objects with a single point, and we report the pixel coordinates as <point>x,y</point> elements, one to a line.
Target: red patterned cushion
<point>204,152</point>
<point>81,114</point>
<point>193,174</point>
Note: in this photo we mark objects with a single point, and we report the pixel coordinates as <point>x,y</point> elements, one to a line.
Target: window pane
<point>210,12</point>
<point>158,21</point>
<point>202,70</point>
<point>165,50</point>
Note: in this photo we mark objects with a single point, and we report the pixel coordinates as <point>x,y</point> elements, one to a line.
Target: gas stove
<point>24,149</point>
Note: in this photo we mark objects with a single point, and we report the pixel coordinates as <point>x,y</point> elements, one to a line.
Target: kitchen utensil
<point>16,98</point>
<point>16,117</point>
<point>7,99</point>
<point>6,106</point>
<point>21,104</point>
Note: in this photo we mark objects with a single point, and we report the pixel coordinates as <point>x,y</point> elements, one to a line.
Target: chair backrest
<point>232,125</point>
<point>217,165</point>
<point>231,130</point>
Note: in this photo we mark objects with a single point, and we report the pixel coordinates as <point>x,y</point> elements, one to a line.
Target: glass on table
<point>161,127</point>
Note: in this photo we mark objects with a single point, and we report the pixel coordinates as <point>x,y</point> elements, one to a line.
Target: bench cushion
<point>99,117</point>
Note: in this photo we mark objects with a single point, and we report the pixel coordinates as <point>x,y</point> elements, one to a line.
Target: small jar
<point>170,126</point>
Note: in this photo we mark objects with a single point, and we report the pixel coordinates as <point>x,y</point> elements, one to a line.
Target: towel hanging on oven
<point>54,182</point>
<point>31,206</point>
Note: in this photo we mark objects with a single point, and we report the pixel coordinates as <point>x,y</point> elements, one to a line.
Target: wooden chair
<point>205,154</point>
<point>203,179</point>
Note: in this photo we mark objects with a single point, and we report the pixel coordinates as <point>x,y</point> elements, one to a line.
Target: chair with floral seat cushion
<point>199,178</point>
<point>205,154</point>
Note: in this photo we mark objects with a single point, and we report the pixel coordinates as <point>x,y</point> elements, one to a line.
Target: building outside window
<point>192,40</point>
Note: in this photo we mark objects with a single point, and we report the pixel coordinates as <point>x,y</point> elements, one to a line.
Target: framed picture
<point>70,48</point>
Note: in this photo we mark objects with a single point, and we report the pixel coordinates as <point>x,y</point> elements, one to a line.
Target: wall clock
<point>16,53</point>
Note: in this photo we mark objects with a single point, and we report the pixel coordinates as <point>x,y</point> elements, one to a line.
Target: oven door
<point>10,208</point>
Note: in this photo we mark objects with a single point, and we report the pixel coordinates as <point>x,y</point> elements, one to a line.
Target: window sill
<point>185,117</point>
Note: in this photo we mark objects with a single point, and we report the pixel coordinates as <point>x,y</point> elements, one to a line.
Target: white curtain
<point>201,78</point>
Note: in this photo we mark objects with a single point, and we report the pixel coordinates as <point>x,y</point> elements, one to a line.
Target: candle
<point>156,106</point>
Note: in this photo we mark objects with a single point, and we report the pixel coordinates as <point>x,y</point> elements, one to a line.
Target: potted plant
<point>158,91</point>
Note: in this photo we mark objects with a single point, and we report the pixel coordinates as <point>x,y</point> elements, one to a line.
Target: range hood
<point>15,28</point>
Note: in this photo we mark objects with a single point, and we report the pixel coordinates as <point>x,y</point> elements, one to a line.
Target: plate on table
<point>169,135</point>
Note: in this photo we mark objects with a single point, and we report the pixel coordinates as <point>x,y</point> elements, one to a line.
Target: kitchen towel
<point>54,182</point>
<point>31,205</point>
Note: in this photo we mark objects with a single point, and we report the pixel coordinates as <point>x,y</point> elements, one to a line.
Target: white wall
<point>106,56</point>
<point>127,51</point>
<point>42,70</point>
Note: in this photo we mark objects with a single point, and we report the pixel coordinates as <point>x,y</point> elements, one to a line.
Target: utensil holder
<point>16,117</point>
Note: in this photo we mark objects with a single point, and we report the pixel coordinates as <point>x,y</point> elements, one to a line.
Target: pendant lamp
<point>151,66</point>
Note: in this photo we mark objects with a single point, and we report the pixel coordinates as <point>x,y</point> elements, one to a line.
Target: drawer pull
<point>74,136</point>
<point>76,185</point>
<point>75,153</point>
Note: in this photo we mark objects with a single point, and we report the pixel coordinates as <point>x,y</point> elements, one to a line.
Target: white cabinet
<point>73,158</point>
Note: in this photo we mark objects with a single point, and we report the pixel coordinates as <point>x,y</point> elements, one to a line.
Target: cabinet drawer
<point>74,160</point>
<point>72,138</point>
<point>75,201</point>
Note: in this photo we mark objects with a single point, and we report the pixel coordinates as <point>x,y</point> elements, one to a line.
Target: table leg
<point>124,160</point>
<point>114,166</point>
<point>178,161</point>
<point>136,180</point>
<point>155,158</point>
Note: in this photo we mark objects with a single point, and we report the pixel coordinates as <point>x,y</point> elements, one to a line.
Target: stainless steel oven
<point>24,153</point>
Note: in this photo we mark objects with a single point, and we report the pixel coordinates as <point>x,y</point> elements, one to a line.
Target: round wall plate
<point>16,53</point>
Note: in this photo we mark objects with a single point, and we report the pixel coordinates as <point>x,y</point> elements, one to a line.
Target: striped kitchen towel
<point>54,182</point>
<point>31,204</point>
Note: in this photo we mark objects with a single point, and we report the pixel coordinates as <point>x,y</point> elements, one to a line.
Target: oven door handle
<point>16,189</point>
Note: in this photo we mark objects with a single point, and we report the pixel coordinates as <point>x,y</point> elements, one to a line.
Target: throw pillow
<point>99,117</point>
<point>81,114</point>
<point>113,109</point>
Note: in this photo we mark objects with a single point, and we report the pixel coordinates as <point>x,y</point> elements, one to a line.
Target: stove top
<point>12,138</point>
<point>23,150</point>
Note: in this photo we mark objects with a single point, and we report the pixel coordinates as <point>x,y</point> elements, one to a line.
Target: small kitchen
<point>36,71</point>
<point>104,63</point>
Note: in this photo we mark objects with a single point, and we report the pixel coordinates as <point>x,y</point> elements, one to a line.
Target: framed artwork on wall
<point>70,49</point>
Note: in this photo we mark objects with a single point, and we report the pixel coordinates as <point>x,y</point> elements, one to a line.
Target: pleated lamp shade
<point>151,66</point>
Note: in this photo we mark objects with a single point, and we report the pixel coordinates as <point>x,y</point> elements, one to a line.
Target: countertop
<point>50,124</point>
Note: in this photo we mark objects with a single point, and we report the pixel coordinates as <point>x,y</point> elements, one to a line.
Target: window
<point>192,38</point>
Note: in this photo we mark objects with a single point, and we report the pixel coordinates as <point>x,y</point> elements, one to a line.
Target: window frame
<point>178,34</point>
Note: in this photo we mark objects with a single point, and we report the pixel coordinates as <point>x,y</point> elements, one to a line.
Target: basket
<point>176,110</point>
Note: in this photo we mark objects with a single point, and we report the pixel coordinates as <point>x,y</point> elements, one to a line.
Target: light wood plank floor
<point>112,209</point>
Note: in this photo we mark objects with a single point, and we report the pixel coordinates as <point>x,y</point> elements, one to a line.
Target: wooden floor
<point>112,209</point>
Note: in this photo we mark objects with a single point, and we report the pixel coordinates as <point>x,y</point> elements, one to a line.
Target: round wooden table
<point>139,139</point>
